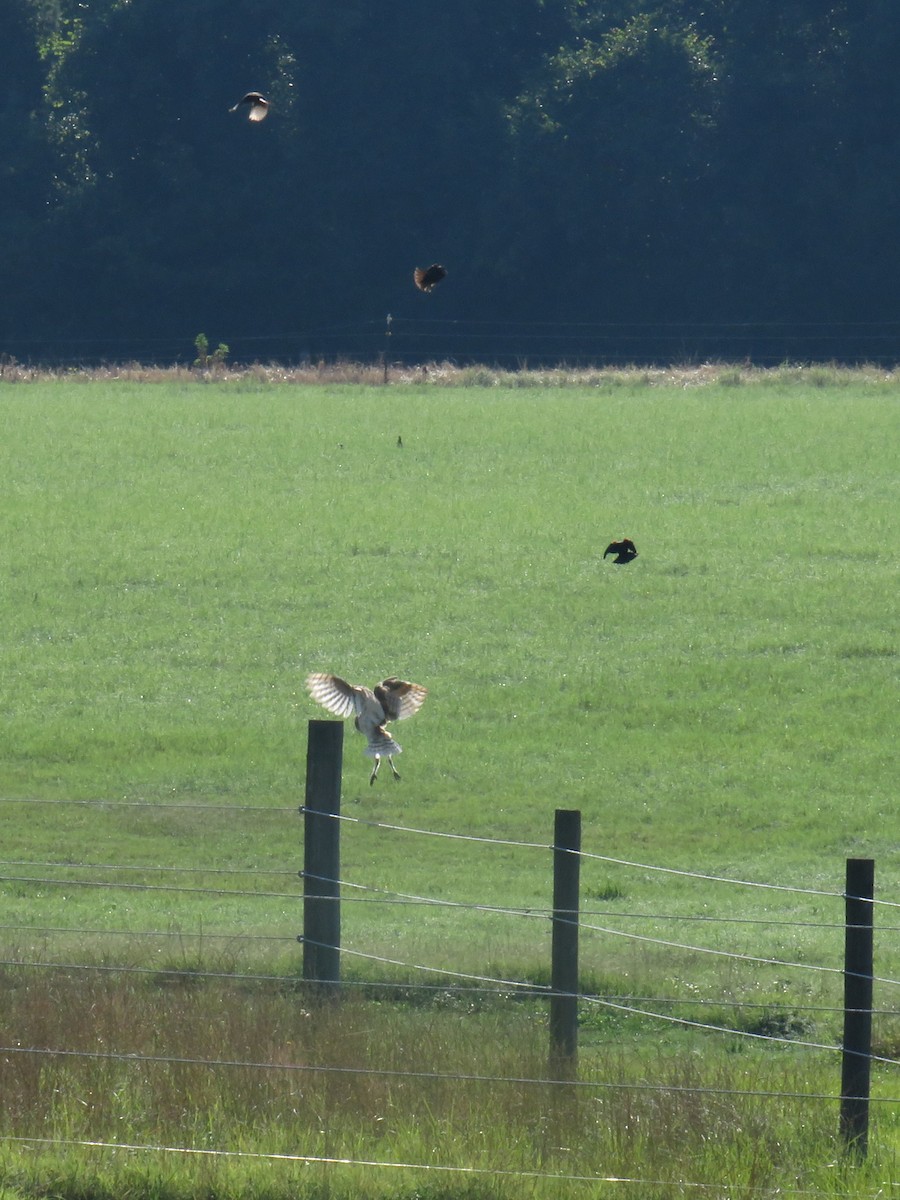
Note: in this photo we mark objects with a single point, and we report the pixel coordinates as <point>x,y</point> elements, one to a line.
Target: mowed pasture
<point>178,554</point>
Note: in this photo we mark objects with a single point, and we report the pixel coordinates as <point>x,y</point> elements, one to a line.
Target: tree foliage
<point>566,159</point>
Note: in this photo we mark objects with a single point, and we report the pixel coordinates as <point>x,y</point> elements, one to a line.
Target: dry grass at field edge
<point>448,374</point>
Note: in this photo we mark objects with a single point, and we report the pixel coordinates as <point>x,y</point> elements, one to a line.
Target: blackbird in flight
<point>624,550</point>
<point>426,277</point>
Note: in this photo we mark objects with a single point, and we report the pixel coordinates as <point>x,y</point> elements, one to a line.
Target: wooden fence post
<point>856,1063</point>
<point>321,854</point>
<point>564,948</point>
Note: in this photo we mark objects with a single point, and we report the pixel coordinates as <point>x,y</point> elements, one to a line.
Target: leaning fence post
<point>856,1063</point>
<point>321,853</point>
<point>564,947</point>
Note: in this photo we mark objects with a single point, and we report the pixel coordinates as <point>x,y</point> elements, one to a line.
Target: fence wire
<point>425,1168</point>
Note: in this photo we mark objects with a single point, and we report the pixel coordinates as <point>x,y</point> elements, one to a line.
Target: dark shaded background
<point>608,182</point>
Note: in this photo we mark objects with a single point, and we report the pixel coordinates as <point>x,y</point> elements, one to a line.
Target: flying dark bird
<point>426,277</point>
<point>258,105</point>
<point>391,700</point>
<point>624,550</point>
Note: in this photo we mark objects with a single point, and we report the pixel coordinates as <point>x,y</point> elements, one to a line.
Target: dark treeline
<point>626,180</point>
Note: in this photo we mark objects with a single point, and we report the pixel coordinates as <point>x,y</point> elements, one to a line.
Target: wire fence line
<point>168,806</point>
<point>437,1168</point>
<point>548,1081</point>
<point>155,972</point>
<point>182,936</point>
<point>533,989</point>
<point>508,842</point>
<point>384,896</point>
<point>485,985</point>
<point>179,934</point>
<point>388,896</point>
<point>730,954</point>
<point>588,856</point>
<point>148,868</point>
<point>148,887</point>
<point>640,1008</point>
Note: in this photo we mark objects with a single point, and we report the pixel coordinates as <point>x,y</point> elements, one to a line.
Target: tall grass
<point>191,1069</point>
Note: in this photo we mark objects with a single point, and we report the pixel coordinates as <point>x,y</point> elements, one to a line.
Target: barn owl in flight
<point>391,700</point>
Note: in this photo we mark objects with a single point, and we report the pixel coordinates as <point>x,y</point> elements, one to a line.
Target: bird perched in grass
<point>258,106</point>
<point>391,700</point>
<point>425,278</point>
<point>624,550</point>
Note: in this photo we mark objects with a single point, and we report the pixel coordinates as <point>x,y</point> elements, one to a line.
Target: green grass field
<point>178,554</point>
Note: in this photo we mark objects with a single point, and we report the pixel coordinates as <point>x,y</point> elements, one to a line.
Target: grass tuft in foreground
<point>213,1087</point>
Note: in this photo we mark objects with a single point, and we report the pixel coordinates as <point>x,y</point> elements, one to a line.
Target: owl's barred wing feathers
<point>400,699</point>
<point>335,694</point>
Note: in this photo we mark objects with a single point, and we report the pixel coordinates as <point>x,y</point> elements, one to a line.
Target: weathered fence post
<point>386,352</point>
<point>321,854</point>
<point>564,947</point>
<point>856,1063</point>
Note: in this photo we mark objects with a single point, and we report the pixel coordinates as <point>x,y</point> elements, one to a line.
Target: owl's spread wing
<point>335,694</point>
<point>400,699</point>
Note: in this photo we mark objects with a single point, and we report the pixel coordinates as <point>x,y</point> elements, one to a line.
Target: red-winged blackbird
<point>259,106</point>
<point>624,550</point>
<point>426,277</point>
<point>391,700</point>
